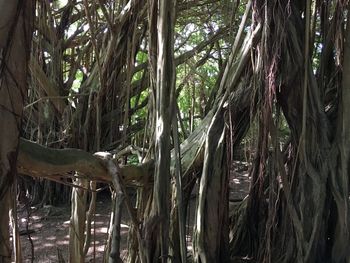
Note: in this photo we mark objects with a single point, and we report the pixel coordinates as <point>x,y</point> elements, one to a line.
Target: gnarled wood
<point>40,161</point>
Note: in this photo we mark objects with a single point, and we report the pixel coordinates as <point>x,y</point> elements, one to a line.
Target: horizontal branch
<point>39,161</point>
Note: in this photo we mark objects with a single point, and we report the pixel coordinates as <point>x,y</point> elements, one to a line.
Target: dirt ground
<point>50,225</point>
<point>51,232</point>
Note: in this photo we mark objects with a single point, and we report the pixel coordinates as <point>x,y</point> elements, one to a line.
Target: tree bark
<point>165,85</point>
<point>77,222</point>
<point>210,239</point>
<point>40,161</point>
<point>114,256</point>
<point>340,175</point>
<point>15,38</point>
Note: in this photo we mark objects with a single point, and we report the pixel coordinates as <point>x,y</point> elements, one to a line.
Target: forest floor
<point>50,225</point>
<point>51,232</point>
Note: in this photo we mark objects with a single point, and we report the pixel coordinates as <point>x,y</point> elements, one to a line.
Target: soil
<point>49,226</point>
<point>51,232</point>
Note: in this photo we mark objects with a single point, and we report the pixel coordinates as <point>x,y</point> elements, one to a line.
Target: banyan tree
<point>160,98</point>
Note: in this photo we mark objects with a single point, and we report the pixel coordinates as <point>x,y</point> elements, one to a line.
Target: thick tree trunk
<point>308,187</point>
<point>340,175</point>
<point>211,237</point>
<point>15,37</point>
<point>165,85</point>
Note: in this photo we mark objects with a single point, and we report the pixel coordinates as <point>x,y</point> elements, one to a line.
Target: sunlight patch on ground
<point>100,248</point>
<point>102,230</point>
<point>38,225</point>
<point>63,242</point>
<point>47,245</point>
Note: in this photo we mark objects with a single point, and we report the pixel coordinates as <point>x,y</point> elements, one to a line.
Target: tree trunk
<point>77,222</point>
<point>15,38</point>
<point>211,237</point>
<point>340,175</point>
<point>308,182</point>
<point>165,84</point>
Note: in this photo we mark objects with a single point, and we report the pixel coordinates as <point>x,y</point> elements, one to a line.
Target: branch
<point>46,85</point>
<point>39,161</point>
